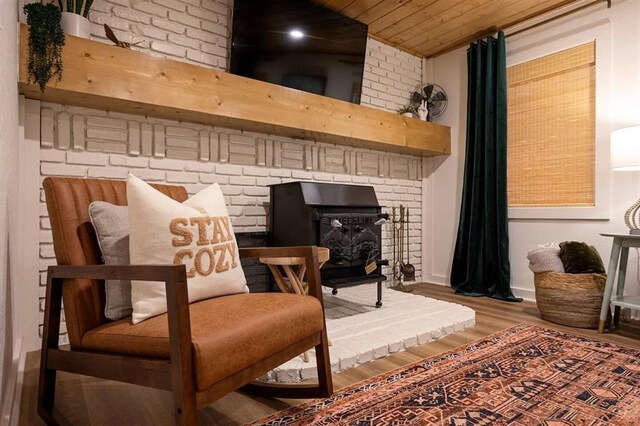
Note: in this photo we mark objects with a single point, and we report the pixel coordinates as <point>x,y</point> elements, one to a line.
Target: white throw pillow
<point>196,233</point>
<point>545,258</point>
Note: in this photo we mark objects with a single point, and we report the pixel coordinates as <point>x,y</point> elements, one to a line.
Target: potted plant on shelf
<point>46,40</point>
<point>75,17</point>
<point>407,110</point>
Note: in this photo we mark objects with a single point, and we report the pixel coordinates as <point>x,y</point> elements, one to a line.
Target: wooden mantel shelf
<point>106,77</point>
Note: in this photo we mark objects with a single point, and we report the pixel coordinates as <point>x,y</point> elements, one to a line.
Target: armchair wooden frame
<point>177,373</point>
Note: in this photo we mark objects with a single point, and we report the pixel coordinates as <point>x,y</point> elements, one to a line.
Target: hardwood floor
<point>88,401</point>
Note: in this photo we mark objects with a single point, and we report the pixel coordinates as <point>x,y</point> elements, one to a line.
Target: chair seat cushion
<point>229,333</point>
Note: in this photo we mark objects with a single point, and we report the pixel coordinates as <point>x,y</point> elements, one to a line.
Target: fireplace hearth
<point>346,219</point>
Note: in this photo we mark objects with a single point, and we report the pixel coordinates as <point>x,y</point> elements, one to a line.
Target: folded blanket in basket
<point>545,258</point>
<point>580,258</point>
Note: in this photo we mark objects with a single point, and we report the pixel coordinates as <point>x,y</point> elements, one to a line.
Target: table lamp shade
<point>625,149</point>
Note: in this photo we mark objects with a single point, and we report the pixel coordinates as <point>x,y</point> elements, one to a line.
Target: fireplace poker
<point>394,236</point>
<point>398,240</point>
<point>409,271</point>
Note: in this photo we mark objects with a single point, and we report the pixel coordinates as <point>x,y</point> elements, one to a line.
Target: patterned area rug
<point>524,375</point>
<point>360,332</point>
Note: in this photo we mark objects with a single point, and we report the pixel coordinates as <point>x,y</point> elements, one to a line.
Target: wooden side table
<point>618,265</point>
<point>294,269</point>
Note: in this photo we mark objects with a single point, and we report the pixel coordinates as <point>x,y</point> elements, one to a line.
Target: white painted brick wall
<point>390,75</point>
<point>195,31</point>
<point>149,140</point>
<point>93,143</point>
<point>198,31</point>
<point>93,151</point>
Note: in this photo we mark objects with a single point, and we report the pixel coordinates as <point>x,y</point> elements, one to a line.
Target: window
<point>552,130</point>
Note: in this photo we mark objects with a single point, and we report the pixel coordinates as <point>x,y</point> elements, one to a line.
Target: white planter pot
<point>75,25</point>
<point>408,114</point>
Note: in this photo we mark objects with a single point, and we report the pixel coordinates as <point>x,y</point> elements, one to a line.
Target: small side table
<point>618,264</point>
<point>295,269</point>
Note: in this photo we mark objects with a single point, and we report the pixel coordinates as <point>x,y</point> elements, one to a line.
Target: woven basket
<point>570,299</point>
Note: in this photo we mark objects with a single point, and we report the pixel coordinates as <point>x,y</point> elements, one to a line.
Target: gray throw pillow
<point>111,224</point>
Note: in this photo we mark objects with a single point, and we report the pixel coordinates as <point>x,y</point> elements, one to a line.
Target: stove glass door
<point>335,234</point>
<point>352,238</point>
<point>365,239</point>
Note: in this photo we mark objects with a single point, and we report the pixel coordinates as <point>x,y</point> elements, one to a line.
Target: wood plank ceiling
<point>432,27</point>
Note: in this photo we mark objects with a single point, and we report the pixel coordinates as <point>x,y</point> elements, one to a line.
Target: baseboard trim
<point>13,392</point>
<point>526,294</point>
<point>437,279</point>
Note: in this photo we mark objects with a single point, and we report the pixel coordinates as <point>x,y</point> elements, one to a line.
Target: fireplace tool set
<point>403,270</point>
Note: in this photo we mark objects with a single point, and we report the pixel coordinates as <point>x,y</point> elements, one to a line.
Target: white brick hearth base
<point>403,321</point>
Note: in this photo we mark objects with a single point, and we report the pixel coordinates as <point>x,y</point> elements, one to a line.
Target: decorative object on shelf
<point>432,96</point>
<point>75,17</point>
<point>45,43</point>
<point>111,36</point>
<point>407,110</point>
<point>423,111</point>
<point>625,157</point>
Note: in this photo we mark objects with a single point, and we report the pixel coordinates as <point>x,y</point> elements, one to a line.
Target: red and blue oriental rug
<point>524,375</point>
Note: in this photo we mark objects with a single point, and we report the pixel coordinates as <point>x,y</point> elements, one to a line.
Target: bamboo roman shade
<point>551,130</point>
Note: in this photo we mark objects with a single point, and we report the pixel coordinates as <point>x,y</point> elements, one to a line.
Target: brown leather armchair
<point>199,351</point>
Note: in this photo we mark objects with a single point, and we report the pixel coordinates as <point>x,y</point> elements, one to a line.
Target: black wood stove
<point>346,219</point>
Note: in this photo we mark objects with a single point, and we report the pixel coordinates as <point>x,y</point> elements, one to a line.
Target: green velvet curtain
<point>481,257</point>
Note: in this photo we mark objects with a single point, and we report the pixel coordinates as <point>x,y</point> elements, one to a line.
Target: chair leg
<point>323,363</point>
<point>50,337</point>
<point>186,411</point>
<point>182,370</point>
<point>46,393</point>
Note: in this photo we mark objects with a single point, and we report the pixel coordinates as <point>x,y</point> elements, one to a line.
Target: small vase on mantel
<point>75,25</point>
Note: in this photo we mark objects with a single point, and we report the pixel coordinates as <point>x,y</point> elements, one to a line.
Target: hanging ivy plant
<point>46,39</point>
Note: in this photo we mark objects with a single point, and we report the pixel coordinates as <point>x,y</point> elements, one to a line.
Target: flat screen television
<point>298,44</point>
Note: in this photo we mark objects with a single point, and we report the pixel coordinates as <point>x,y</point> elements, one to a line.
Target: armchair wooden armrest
<point>52,358</point>
<point>174,277</point>
<point>115,272</point>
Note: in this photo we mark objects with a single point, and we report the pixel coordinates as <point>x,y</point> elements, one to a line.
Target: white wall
<point>8,161</point>
<point>443,184</point>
